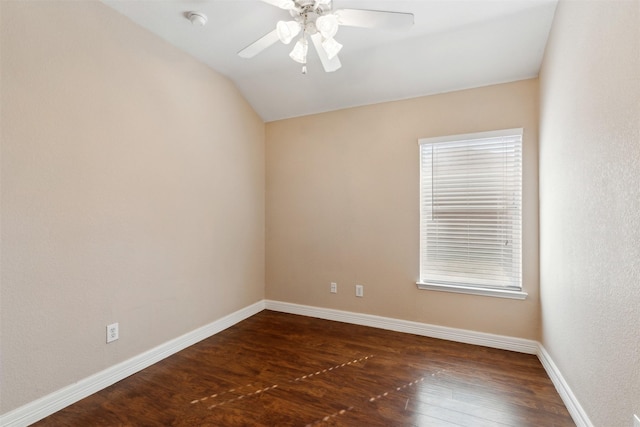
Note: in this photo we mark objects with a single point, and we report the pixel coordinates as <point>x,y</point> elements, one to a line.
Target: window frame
<point>466,288</point>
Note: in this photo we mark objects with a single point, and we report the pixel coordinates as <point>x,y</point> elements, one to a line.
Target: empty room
<point>320,213</point>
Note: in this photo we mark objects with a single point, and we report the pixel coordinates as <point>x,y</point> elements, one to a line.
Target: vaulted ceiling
<point>453,44</point>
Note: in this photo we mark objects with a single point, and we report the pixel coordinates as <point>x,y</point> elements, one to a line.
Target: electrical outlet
<point>112,332</point>
<point>359,290</point>
<point>334,288</point>
<point>636,421</point>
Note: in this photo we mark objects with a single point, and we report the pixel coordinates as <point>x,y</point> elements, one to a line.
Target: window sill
<point>460,289</point>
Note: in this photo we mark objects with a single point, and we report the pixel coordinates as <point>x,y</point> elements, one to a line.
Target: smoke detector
<point>197,18</point>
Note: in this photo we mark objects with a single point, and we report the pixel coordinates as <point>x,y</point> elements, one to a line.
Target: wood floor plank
<point>277,369</point>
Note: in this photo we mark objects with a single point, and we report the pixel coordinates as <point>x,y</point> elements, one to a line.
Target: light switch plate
<point>636,421</point>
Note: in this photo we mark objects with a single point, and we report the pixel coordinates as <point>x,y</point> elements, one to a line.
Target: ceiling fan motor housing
<point>307,12</point>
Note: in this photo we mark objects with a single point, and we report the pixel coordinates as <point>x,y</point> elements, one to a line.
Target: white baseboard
<point>570,401</point>
<point>452,334</point>
<point>47,405</point>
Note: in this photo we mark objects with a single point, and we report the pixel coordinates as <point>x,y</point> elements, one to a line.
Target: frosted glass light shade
<point>332,47</point>
<point>287,30</point>
<point>327,25</point>
<point>299,52</point>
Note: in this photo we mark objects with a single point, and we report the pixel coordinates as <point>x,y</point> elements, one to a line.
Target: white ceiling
<point>454,44</point>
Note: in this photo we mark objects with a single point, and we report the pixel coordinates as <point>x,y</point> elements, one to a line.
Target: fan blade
<point>330,65</point>
<point>374,19</point>
<point>282,4</point>
<point>259,45</point>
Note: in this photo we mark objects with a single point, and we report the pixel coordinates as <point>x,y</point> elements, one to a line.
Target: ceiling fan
<point>316,20</point>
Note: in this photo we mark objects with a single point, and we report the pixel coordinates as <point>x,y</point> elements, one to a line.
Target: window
<point>471,213</point>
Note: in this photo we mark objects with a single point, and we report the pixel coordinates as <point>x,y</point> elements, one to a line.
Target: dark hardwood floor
<point>277,369</point>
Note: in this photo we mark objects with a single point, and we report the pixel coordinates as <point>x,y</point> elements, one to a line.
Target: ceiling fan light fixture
<point>299,52</point>
<point>332,47</point>
<point>327,25</point>
<point>317,20</point>
<point>287,30</point>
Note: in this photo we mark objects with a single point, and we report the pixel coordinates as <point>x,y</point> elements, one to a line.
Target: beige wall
<point>590,205</point>
<point>132,192</point>
<point>342,205</point>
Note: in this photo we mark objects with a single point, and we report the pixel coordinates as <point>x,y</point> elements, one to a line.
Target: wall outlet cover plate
<point>112,332</point>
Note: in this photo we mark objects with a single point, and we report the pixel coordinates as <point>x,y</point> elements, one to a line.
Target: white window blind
<point>471,210</point>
